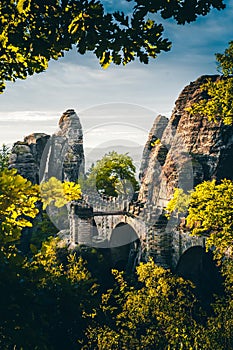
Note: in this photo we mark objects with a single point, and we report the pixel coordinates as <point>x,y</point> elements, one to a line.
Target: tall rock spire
<point>41,156</point>
<point>64,155</point>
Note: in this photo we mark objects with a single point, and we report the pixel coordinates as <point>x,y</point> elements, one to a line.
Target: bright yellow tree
<point>18,199</point>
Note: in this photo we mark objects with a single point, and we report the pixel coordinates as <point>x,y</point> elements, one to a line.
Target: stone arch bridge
<point>133,231</point>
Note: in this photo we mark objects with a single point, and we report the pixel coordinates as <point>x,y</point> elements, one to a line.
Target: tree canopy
<point>208,210</point>
<point>19,198</point>
<point>112,175</point>
<point>159,312</point>
<point>33,32</point>
<point>218,104</point>
<point>225,60</point>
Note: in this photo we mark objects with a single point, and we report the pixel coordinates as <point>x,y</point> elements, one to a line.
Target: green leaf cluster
<point>219,104</point>
<point>161,312</point>
<point>43,299</point>
<point>58,193</point>
<point>210,213</point>
<point>182,11</point>
<point>33,32</point>
<point>225,60</point>
<point>112,175</point>
<point>18,199</point>
<point>179,202</point>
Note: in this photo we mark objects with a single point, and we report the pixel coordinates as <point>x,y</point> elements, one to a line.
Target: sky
<point>117,105</point>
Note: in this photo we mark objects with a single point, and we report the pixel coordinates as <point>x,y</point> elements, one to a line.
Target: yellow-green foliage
<point>154,143</point>
<point>210,212</point>
<point>33,32</point>
<point>47,260</point>
<point>18,199</point>
<point>58,193</point>
<point>179,202</point>
<point>219,105</point>
<point>156,315</point>
<point>112,175</point>
<point>47,29</point>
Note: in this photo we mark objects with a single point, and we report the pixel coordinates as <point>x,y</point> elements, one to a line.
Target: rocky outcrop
<point>25,156</point>
<point>192,149</point>
<point>40,156</point>
<point>154,137</point>
<point>64,155</point>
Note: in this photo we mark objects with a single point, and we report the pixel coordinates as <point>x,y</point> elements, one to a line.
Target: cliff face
<point>64,156</point>
<point>192,149</point>
<point>40,156</point>
<point>25,156</point>
<point>155,136</point>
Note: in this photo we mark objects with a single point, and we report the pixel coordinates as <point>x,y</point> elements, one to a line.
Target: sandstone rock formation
<point>192,149</point>
<point>40,156</point>
<point>25,156</point>
<point>64,155</point>
<point>155,135</point>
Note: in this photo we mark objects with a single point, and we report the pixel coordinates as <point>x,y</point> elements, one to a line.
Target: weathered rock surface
<point>192,149</point>
<point>155,135</point>
<point>25,156</point>
<point>40,156</point>
<point>64,155</point>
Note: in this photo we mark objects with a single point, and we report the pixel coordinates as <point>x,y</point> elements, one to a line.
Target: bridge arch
<point>125,247</point>
<point>197,265</point>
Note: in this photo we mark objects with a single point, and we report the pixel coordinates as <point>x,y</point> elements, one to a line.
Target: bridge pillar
<point>81,223</point>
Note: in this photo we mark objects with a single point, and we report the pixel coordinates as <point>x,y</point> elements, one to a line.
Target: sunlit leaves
<point>112,175</point>
<point>23,6</point>
<point>78,23</point>
<point>71,191</point>
<point>43,299</point>
<point>47,259</point>
<point>106,60</point>
<point>158,314</point>
<point>18,199</point>
<point>55,192</point>
<point>211,212</point>
<point>33,32</point>
<point>179,202</point>
<point>219,104</point>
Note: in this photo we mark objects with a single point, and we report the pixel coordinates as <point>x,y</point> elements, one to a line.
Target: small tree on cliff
<point>4,157</point>
<point>33,32</point>
<point>112,175</point>
<point>219,104</point>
